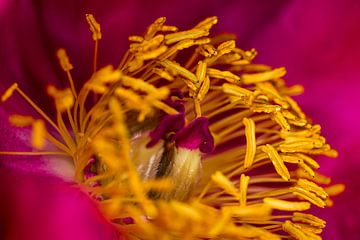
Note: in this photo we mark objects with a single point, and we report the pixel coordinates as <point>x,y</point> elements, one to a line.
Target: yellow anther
<point>155,27</point>
<point>179,69</point>
<point>201,71</point>
<point>278,163</point>
<point>295,107</point>
<point>283,205</point>
<point>335,190</point>
<point>307,169</point>
<point>294,90</point>
<point>250,142</point>
<point>207,50</point>
<point>264,76</point>
<point>290,158</point>
<point>308,219</point>
<point>166,28</point>
<point>38,134</point>
<point>238,94</point>
<point>296,146</point>
<point>266,108</point>
<point>228,76</point>
<point>148,45</point>
<point>140,85</point>
<point>64,60</point>
<point>7,94</point>
<point>226,47</point>
<point>136,38</point>
<point>189,34</point>
<point>248,211</point>
<point>280,119</point>
<point>207,23</point>
<point>204,88</point>
<point>96,87</point>
<point>21,121</point>
<point>163,74</point>
<point>308,160</point>
<point>309,196</point>
<point>294,231</point>
<point>153,54</point>
<point>94,27</point>
<point>64,99</point>
<point>107,75</point>
<point>312,187</point>
<point>288,115</point>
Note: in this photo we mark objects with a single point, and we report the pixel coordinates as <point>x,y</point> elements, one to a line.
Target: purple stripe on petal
<point>196,135</point>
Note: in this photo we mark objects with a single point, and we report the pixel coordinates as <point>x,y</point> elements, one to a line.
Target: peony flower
<point>98,168</point>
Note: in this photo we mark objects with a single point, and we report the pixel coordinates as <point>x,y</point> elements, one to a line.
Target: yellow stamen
<point>94,27</point>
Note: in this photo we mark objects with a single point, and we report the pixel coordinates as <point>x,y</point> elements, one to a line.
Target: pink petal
<point>40,207</point>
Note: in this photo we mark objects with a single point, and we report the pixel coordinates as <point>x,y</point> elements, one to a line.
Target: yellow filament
<point>180,70</point>
<point>224,183</point>
<point>244,182</point>
<point>229,76</point>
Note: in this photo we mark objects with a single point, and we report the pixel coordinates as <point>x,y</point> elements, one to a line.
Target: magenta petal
<point>196,135</point>
<point>42,208</point>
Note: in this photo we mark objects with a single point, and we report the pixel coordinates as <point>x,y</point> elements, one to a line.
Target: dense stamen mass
<point>188,139</point>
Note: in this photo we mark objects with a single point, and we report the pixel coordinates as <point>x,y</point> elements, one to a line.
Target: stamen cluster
<point>255,184</point>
